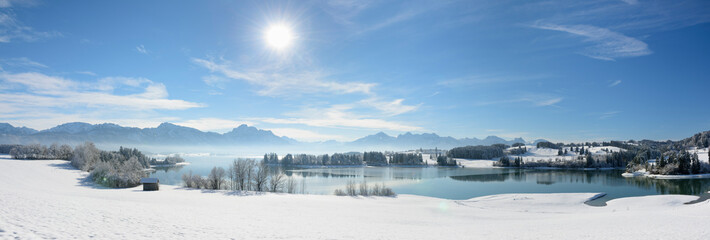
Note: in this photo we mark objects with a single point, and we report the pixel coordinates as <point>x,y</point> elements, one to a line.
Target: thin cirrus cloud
<point>538,100</point>
<point>12,29</point>
<point>615,83</point>
<point>604,43</point>
<point>281,83</point>
<point>608,115</point>
<point>142,49</point>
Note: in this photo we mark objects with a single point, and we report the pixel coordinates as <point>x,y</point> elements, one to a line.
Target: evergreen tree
<point>518,161</point>
<point>684,162</point>
<point>590,161</point>
<point>694,164</point>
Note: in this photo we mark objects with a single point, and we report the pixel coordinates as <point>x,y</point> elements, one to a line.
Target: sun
<point>279,36</point>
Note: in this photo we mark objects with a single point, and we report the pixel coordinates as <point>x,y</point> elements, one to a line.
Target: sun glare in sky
<point>279,36</point>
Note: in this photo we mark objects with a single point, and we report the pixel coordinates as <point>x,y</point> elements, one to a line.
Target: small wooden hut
<point>150,184</point>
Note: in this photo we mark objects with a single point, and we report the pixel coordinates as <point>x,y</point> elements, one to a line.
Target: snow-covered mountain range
<point>243,135</point>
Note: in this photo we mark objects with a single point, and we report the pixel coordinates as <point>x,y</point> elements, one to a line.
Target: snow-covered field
<point>50,199</point>
<point>544,154</point>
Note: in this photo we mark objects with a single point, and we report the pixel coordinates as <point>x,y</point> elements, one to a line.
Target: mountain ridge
<point>171,134</point>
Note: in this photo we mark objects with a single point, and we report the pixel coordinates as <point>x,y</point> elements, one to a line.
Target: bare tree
<point>276,182</point>
<point>261,177</point>
<point>216,177</point>
<point>350,188</point>
<point>232,175</point>
<point>363,188</point>
<point>251,172</point>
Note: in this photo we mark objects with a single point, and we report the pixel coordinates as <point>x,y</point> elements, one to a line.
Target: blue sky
<point>560,70</point>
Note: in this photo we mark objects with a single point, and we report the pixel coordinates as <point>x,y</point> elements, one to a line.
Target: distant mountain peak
<point>72,127</point>
<point>168,125</point>
<point>382,134</point>
<point>6,128</point>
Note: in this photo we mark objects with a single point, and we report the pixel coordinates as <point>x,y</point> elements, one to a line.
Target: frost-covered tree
<point>85,156</point>
<point>216,177</point>
<point>276,182</point>
<point>260,178</point>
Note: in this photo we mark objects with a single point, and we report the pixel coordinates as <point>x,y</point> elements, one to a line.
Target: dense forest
<point>478,152</point>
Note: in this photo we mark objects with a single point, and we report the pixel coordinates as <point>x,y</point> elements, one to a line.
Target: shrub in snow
<point>339,192</point>
<point>376,190</point>
<point>363,189</point>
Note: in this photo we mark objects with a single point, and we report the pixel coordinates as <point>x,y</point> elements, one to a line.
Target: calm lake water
<point>459,183</point>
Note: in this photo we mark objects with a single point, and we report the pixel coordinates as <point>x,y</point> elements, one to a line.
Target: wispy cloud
<point>608,115</point>
<point>344,10</point>
<point>283,83</point>
<point>605,44</point>
<point>388,108</point>
<point>34,91</point>
<point>90,73</point>
<point>21,62</point>
<point>12,29</point>
<point>538,100</point>
<point>613,84</point>
<point>547,102</point>
<point>306,135</point>
<point>398,18</point>
<point>141,49</point>
<point>17,3</point>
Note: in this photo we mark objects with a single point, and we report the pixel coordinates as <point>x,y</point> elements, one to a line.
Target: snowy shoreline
<point>170,165</point>
<point>50,199</point>
<point>666,177</point>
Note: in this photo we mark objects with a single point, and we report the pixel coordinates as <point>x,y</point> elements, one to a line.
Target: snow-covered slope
<point>50,199</point>
<point>544,154</point>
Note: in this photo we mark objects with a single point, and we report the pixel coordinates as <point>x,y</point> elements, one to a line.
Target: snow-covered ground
<point>50,199</point>
<point>476,163</point>
<point>702,153</point>
<point>535,154</point>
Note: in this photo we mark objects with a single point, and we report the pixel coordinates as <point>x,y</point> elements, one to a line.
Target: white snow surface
<point>50,199</point>
<point>535,154</point>
<point>476,163</point>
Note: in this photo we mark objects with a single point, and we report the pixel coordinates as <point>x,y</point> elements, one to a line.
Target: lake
<point>458,183</point>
